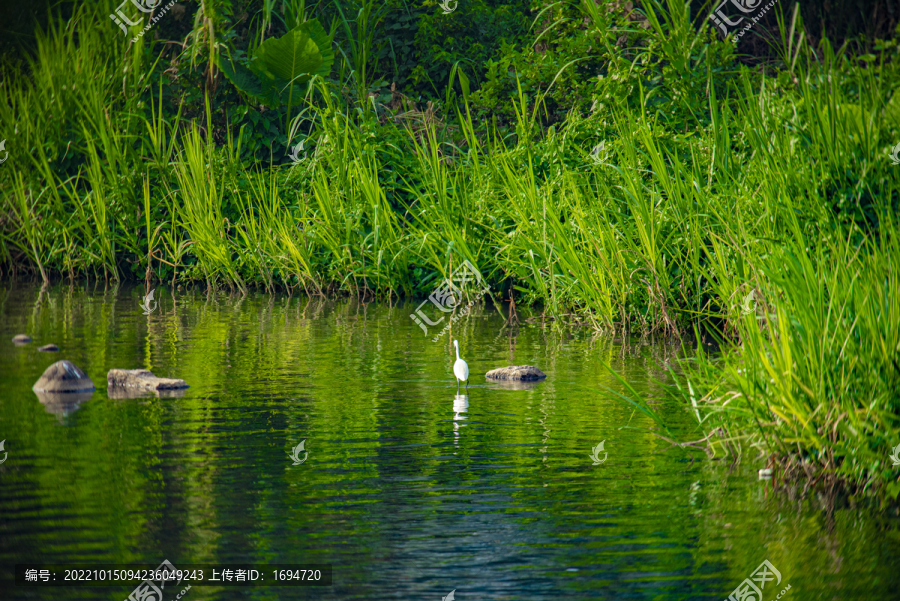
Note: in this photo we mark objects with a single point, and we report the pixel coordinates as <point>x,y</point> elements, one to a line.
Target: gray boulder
<point>521,373</point>
<point>63,376</point>
<point>141,379</point>
<point>21,339</point>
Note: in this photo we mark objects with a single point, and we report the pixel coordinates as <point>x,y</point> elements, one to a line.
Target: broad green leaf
<point>282,65</point>
<point>242,78</point>
<point>297,55</point>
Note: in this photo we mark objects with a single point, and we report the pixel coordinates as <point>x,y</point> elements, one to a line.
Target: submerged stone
<point>521,373</point>
<point>63,376</point>
<point>48,348</point>
<point>21,339</point>
<point>142,379</point>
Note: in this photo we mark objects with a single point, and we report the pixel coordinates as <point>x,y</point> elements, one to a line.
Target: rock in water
<point>63,376</point>
<point>143,379</point>
<point>525,373</point>
<point>48,348</point>
<point>21,338</point>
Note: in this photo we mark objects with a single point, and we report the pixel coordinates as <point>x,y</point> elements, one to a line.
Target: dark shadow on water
<point>123,392</point>
<point>513,384</point>
<point>63,404</point>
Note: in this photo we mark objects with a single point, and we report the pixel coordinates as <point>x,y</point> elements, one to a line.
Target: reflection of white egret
<point>460,405</point>
<point>460,369</point>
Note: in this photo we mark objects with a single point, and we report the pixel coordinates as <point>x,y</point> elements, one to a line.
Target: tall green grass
<point>638,237</point>
<point>201,190</point>
<point>814,379</point>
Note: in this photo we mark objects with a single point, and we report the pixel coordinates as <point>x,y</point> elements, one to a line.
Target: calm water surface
<point>408,491</point>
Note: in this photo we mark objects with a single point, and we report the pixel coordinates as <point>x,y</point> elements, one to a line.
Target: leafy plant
<point>280,69</point>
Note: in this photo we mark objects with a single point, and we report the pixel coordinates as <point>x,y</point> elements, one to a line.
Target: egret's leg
<point>467,386</point>
<point>457,387</point>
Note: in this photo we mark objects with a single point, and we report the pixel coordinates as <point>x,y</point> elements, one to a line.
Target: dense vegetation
<point>621,167</point>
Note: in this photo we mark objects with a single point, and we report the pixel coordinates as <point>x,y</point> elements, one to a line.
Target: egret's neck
<point>457,350</point>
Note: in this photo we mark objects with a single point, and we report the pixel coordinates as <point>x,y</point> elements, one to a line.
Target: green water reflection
<point>408,490</point>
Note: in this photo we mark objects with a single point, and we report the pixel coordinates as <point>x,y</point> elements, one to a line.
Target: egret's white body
<point>460,368</point>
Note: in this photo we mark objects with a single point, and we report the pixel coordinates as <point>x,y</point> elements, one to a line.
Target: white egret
<point>460,369</point>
